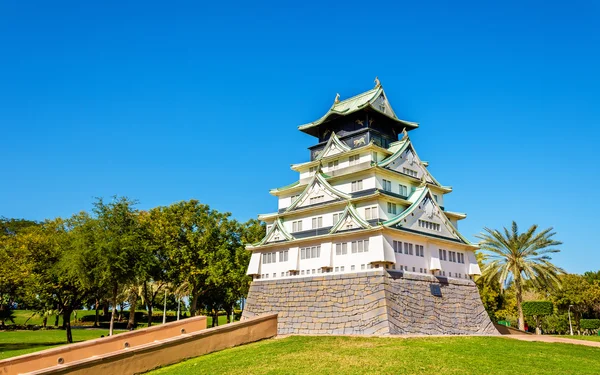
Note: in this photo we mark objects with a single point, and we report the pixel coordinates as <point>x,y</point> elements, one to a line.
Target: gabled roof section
<point>350,215</point>
<point>334,146</point>
<point>424,207</point>
<point>317,183</point>
<point>277,229</point>
<point>370,98</point>
<point>402,148</point>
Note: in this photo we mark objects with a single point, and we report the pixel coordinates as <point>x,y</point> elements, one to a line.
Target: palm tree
<point>517,257</point>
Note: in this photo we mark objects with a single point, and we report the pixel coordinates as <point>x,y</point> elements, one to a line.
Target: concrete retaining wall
<point>371,303</point>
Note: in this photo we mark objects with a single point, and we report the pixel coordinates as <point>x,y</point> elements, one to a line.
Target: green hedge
<point>589,323</point>
<point>537,308</point>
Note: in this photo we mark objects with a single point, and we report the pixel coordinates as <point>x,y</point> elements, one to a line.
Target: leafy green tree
<point>117,247</point>
<point>515,257</point>
<point>537,310</point>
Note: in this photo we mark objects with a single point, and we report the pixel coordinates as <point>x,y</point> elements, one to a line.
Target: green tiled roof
<point>358,102</point>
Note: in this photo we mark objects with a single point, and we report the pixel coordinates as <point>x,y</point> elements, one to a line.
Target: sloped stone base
<point>377,302</point>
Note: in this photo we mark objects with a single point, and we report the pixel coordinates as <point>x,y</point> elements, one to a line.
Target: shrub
<point>537,308</point>
<point>589,324</point>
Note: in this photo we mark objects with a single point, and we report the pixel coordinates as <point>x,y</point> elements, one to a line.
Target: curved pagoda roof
<point>354,104</point>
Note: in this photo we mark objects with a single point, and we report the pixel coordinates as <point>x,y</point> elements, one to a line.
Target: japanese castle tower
<point>364,211</point>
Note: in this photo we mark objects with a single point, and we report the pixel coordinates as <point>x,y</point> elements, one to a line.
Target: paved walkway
<point>543,338</point>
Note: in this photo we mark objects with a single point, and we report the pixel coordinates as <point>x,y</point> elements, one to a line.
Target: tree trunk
<point>114,310</point>
<point>132,306</point>
<point>149,307</point>
<point>105,308</point>
<point>56,320</point>
<point>194,304</point>
<point>538,328</point>
<point>519,297</point>
<point>97,319</point>
<point>67,323</point>
<point>45,321</point>
<point>228,311</point>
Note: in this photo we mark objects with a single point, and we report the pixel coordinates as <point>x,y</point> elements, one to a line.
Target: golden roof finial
<point>337,98</point>
<point>377,83</point>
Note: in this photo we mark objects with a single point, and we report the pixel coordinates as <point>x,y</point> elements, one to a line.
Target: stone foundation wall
<point>370,303</point>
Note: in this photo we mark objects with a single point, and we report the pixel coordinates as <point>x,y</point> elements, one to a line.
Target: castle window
<point>357,185</point>
<point>387,185</point>
<point>362,266</point>
<point>354,247</point>
<point>443,254</point>
<point>269,258</point>
<point>391,208</point>
<point>283,256</point>
<point>408,248</point>
<point>333,164</point>
<point>429,225</point>
<point>397,245</point>
<point>354,159</point>
<point>342,268</point>
<point>336,218</point>
<point>352,267</point>
<point>310,252</point>
<point>297,226</point>
<point>419,251</point>
<point>337,269</point>
<point>282,274</point>
<point>374,156</point>
<point>312,170</point>
<point>410,172</point>
<point>403,190</point>
<point>317,222</point>
<point>341,248</point>
<point>302,272</point>
<point>371,213</point>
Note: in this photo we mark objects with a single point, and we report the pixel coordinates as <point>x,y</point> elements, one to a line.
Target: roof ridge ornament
<point>337,99</point>
<point>377,82</point>
<point>404,134</point>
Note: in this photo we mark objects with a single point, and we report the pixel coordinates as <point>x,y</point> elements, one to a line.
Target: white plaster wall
<point>345,185</point>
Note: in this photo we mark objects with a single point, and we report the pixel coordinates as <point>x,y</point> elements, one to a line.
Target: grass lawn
<point>357,355</point>
<point>576,337</point>
<point>14,343</point>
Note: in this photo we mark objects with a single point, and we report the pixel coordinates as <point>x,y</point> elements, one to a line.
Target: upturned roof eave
<point>370,96</point>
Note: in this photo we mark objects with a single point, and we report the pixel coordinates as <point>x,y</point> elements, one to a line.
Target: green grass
<point>22,316</point>
<point>14,343</point>
<point>357,355</point>
<point>576,337</point>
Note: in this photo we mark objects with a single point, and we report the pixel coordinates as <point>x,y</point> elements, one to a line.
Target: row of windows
<point>310,252</point>
<point>429,225</point>
<point>410,172</point>
<point>297,226</point>
<point>408,248</point>
<point>363,267</point>
<point>355,246</point>
<point>357,185</point>
<point>269,258</point>
<point>391,208</point>
<point>354,159</point>
<point>371,213</point>
<point>452,256</point>
<point>272,257</point>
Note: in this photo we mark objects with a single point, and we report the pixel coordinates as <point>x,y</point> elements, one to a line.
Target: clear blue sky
<point>167,101</point>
